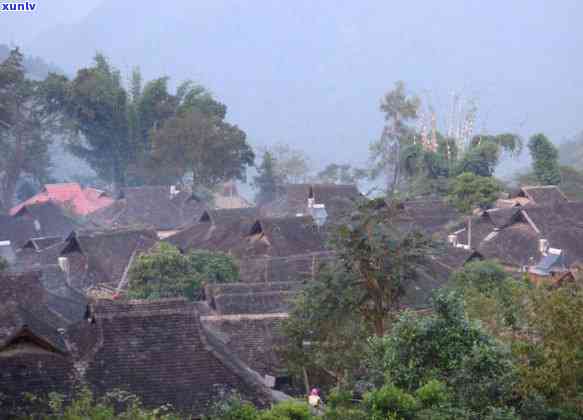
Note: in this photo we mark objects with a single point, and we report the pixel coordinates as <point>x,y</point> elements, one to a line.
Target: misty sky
<point>311,73</point>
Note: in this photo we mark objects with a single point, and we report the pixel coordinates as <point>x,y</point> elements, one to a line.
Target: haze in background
<point>311,73</point>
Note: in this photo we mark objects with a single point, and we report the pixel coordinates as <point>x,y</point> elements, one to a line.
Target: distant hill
<point>36,67</point>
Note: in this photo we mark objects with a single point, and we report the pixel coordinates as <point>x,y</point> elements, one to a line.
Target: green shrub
<point>433,393</point>
<point>165,273</point>
<point>287,410</point>
<point>390,400</point>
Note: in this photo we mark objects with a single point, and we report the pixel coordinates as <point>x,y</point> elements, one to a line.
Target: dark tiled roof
<point>267,302</point>
<point>292,199</point>
<point>224,216</point>
<point>428,216</point>
<point>151,207</point>
<point>17,231</point>
<point>159,352</point>
<point>254,338</point>
<point>225,237</point>
<point>543,195</point>
<point>24,311</point>
<point>280,237</point>
<point>102,257</point>
<point>38,244</point>
<point>50,217</point>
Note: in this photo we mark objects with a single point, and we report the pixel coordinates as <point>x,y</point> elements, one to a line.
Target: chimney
<point>311,202</point>
<point>65,266</point>
<point>173,191</point>
<point>37,225</point>
<point>543,246</point>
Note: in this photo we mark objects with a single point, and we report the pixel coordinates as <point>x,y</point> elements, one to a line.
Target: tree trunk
<point>379,327</point>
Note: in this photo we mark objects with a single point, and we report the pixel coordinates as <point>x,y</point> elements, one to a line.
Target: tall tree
<point>399,109</point>
<point>485,151</point>
<point>469,191</point>
<point>266,180</point>
<point>97,103</point>
<point>545,157</point>
<point>210,150</point>
<point>28,123</point>
<point>291,165</point>
<point>381,256</point>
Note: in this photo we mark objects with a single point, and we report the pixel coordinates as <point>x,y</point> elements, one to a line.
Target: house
<point>514,235</point>
<point>164,209</point>
<point>432,217</point>
<point>255,339</point>
<point>246,237</point>
<point>16,231</point>
<point>156,350</point>
<point>542,195</point>
<point>70,196</point>
<point>48,219</point>
<point>228,197</point>
<point>299,199</point>
<point>93,258</point>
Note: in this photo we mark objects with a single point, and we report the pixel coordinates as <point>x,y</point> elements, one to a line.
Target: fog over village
<point>271,210</point>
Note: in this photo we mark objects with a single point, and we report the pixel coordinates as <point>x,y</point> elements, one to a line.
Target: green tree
<point>97,104</point>
<point>381,256</point>
<point>266,180</point>
<point>208,149</point>
<point>399,109</point>
<point>28,124</point>
<point>448,347</point>
<point>551,354</point>
<point>485,151</point>
<point>325,316</point>
<point>469,191</point>
<point>165,272</point>
<point>545,157</point>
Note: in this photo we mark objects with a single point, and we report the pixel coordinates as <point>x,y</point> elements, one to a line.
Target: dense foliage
<point>165,272</point>
<point>381,256</point>
<point>28,124</point>
<point>469,191</point>
<point>267,180</point>
<point>145,134</point>
<point>545,157</point>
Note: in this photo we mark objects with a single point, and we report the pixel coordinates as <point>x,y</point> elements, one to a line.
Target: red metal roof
<point>81,201</point>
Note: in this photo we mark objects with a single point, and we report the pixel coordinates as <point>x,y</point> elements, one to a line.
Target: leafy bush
<point>165,272</point>
<point>118,405</point>
<point>233,408</point>
<point>433,393</point>
<point>390,400</point>
<point>448,347</point>
<point>287,410</point>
